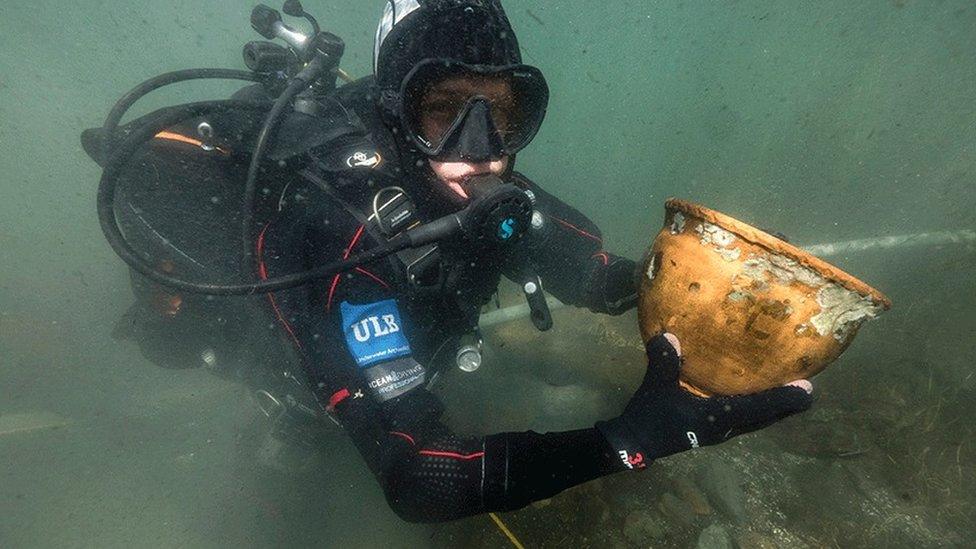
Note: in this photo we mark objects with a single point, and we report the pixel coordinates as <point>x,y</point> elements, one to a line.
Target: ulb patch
<point>374,332</point>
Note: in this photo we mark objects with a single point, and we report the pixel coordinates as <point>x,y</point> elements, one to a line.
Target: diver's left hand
<point>663,419</point>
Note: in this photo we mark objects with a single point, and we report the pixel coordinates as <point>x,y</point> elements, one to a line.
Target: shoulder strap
<point>371,227</point>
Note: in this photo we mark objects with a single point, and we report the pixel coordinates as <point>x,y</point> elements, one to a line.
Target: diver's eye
<point>443,107</point>
<point>436,119</point>
<point>502,111</point>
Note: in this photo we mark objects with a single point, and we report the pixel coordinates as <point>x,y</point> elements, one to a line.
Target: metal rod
<point>345,76</point>
<point>886,242</point>
<point>516,312</point>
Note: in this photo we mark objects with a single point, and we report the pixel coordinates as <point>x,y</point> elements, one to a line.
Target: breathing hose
<point>298,84</point>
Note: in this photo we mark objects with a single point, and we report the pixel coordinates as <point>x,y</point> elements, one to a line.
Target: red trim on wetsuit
<point>581,232</point>
<point>345,255</point>
<point>452,455</point>
<point>355,240</point>
<point>604,256</point>
<point>337,398</point>
<point>375,278</point>
<point>263,273</point>
<point>438,453</point>
<point>335,284</point>
<point>404,436</point>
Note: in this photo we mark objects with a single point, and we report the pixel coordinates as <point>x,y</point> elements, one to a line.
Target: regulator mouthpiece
<point>499,213</point>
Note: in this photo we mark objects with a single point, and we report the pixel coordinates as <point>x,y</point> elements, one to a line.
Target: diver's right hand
<point>663,418</point>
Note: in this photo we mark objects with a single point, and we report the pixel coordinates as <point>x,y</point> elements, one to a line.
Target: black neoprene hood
<point>476,32</point>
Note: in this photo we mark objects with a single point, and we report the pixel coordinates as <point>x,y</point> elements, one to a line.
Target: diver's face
<point>440,106</point>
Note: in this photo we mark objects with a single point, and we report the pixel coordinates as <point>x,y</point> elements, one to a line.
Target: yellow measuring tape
<point>508,533</point>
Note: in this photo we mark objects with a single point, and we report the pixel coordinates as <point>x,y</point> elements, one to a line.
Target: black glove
<point>663,419</point>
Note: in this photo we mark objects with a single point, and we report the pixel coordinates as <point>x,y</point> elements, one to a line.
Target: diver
<point>404,185</point>
<point>448,109</point>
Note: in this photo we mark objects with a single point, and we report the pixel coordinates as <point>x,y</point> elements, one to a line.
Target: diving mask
<point>457,112</point>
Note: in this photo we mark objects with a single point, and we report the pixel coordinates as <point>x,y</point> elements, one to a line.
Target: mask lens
<point>438,96</point>
<point>525,115</point>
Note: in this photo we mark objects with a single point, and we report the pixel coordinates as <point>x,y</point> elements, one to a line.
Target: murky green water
<point>828,121</point>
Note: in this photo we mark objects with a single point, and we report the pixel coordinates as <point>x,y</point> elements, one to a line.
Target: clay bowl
<point>752,311</point>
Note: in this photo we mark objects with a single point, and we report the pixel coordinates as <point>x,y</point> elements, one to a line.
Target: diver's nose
<point>478,140</point>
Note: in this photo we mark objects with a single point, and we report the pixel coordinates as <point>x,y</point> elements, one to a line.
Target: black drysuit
<point>371,340</point>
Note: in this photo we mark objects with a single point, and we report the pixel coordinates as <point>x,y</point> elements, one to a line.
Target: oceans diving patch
<point>392,379</point>
<point>374,332</point>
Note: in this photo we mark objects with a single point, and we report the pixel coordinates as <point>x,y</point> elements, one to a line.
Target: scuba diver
<point>379,218</point>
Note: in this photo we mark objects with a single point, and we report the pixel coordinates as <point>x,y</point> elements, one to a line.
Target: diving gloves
<point>662,418</point>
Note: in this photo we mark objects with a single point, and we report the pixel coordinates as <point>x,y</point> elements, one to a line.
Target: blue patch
<point>374,332</point>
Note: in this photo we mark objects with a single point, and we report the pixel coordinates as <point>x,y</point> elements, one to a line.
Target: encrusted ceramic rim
<point>777,246</point>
